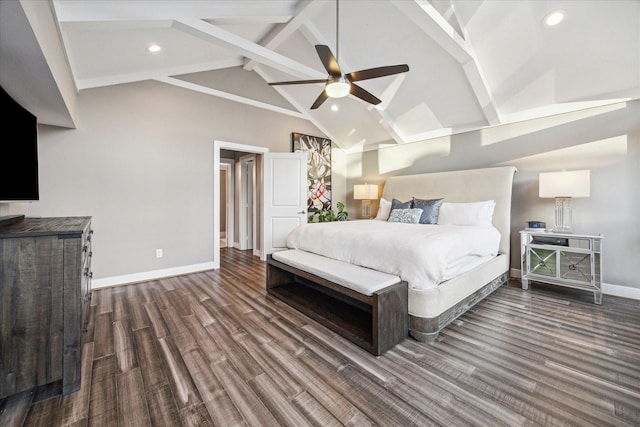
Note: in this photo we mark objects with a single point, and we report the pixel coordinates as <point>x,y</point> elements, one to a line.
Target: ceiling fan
<point>338,84</point>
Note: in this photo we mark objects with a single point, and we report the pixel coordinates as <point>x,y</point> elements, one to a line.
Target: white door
<point>284,198</point>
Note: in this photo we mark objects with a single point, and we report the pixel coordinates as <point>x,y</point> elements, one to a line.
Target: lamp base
<point>563,215</point>
<point>365,213</point>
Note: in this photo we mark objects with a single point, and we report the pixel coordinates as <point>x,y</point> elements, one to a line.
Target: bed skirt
<point>433,309</point>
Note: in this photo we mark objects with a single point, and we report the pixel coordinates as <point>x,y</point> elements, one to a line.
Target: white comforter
<point>424,255</point>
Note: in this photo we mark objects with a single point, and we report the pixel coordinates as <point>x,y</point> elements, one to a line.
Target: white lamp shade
<point>365,192</point>
<point>565,184</point>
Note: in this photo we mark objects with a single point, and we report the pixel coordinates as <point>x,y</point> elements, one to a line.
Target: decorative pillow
<point>430,209</point>
<point>474,213</point>
<point>407,216</point>
<point>384,209</point>
<point>397,204</point>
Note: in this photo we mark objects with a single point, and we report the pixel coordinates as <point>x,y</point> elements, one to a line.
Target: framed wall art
<point>318,169</point>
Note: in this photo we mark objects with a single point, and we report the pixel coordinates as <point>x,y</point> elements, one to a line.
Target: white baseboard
<point>607,288</point>
<point>621,291</point>
<point>149,275</point>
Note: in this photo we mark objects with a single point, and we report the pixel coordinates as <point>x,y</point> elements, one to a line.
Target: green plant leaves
<point>327,215</point>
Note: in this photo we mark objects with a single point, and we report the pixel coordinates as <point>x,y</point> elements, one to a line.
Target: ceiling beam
<point>155,74</point>
<point>304,10</point>
<point>477,80</point>
<point>235,43</point>
<point>481,91</point>
<point>386,121</point>
<point>241,99</point>
<point>427,19</point>
<point>257,11</point>
<point>436,27</point>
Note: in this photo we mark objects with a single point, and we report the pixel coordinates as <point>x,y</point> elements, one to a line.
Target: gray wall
<point>605,140</point>
<point>141,164</point>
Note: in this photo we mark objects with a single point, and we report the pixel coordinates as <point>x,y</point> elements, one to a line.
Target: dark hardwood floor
<point>212,348</point>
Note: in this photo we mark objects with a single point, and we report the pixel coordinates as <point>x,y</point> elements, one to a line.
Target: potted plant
<point>327,215</point>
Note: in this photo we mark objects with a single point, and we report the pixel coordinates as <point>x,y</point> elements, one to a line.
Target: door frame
<point>247,191</point>
<point>228,165</point>
<point>217,146</point>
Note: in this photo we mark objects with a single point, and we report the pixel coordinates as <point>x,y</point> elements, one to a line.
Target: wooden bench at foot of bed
<point>367,307</point>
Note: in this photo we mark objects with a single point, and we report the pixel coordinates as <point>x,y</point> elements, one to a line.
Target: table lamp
<point>563,187</point>
<point>366,193</point>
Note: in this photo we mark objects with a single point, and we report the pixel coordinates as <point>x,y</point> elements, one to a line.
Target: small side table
<point>563,259</point>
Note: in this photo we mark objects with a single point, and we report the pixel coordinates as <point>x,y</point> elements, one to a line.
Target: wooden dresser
<point>45,275</point>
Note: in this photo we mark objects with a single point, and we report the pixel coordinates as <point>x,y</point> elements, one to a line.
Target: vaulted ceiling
<point>472,63</point>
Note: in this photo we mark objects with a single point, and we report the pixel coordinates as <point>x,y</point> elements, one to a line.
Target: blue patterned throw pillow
<point>407,216</point>
<point>430,209</point>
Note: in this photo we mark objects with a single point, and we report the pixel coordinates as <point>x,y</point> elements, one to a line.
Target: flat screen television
<point>18,152</point>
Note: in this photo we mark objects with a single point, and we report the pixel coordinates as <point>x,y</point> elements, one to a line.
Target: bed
<point>450,263</point>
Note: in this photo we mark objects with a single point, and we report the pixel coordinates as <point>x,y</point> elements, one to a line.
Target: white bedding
<point>424,255</point>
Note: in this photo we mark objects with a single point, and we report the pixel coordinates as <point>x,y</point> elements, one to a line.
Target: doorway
<point>250,149</point>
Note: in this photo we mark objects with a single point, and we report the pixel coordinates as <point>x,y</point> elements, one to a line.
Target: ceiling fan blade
<point>328,60</point>
<point>356,90</point>
<point>373,73</point>
<point>320,99</point>
<point>297,82</point>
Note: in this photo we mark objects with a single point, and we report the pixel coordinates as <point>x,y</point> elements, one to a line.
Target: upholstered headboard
<point>472,185</point>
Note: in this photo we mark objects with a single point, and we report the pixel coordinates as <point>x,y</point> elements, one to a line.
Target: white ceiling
<point>472,63</point>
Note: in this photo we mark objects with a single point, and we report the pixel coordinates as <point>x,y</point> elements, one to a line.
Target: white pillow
<point>384,210</point>
<point>474,213</point>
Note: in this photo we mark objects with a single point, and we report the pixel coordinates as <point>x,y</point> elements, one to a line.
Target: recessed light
<point>334,107</point>
<point>554,17</point>
<point>154,48</point>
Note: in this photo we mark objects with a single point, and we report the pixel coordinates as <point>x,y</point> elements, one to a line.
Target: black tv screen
<point>18,152</point>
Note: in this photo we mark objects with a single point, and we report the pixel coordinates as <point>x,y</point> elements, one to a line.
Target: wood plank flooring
<point>212,348</point>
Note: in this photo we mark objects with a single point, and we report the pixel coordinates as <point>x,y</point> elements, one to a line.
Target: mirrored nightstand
<point>564,259</point>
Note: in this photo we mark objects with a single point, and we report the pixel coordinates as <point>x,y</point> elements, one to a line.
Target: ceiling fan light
<point>337,89</point>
